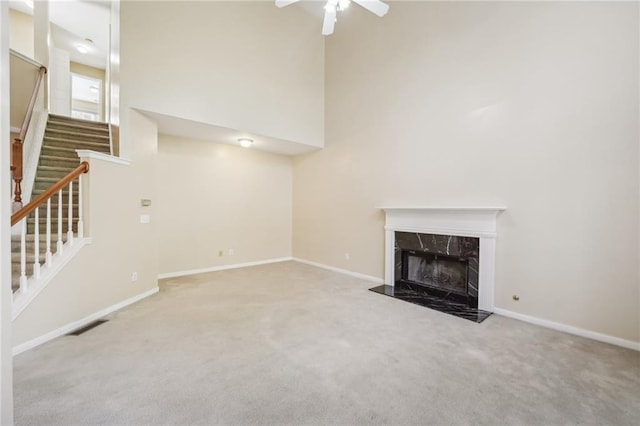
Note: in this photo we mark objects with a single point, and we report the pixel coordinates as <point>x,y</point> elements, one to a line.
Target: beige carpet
<point>292,344</point>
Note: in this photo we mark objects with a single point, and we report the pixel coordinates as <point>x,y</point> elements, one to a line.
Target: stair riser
<point>54,174</point>
<point>30,247</point>
<point>69,128</point>
<point>77,122</point>
<point>42,210</point>
<point>54,230</point>
<point>102,136</point>
<point>40,186</point>
<point>59,152</point>
<point>70,163</point>
<point>54,223</point>
<point>84,143</point>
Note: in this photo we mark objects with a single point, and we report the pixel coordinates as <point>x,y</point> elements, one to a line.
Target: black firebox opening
<point>437,275</point>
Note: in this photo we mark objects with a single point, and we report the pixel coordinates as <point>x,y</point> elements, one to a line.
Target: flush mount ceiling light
<point>245,142</point>
<point>332,8</point>
<point>82,48</point>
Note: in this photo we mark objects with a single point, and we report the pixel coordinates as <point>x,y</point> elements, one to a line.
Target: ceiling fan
<point>332,8</point>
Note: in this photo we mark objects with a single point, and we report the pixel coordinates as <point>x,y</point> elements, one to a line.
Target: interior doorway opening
<point>86,97</point>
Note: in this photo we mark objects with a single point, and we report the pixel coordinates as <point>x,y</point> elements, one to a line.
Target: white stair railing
<point>31,211</point>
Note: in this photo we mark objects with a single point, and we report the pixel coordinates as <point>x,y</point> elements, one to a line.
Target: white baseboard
<point>80,323</point>
<point>629,344</point>
<point>341,271</point>
<point>221,268</point>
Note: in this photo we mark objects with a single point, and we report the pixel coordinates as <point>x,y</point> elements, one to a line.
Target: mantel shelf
<point>444,208</point>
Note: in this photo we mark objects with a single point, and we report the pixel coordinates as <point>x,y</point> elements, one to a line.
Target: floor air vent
<point>87,327</point>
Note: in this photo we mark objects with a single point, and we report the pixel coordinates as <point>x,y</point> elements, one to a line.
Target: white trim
<point>25,58</point>
<point>464,221</point>
<point>445,209</point>
<point>80,323</point>
<point>35,286</point>
<point>341,271</point>
<point>221,268</point>
<point>85,153</point>
<point>629,344</point>
<point>15,129</point>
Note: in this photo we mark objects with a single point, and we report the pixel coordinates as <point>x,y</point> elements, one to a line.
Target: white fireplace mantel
<point>479,222</point>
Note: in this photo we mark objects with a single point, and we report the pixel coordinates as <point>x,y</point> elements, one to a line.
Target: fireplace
<point>442,258</point>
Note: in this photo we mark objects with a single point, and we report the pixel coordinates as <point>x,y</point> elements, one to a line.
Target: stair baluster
<point>36,245</point>
<point>60,245</point>
<point>23,257</point>
<point>48,252</point>
<point>70,214</point>
<point>80,222</point>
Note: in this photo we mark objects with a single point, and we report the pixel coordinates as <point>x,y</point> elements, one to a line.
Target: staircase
<point>58,157</point>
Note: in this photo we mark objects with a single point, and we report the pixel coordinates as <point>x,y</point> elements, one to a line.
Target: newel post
<point>16,171</point>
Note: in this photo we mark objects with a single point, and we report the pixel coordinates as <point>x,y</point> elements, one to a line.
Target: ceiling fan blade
<point>283,3</point>
<point>329,21</point>
<point>374,6</point>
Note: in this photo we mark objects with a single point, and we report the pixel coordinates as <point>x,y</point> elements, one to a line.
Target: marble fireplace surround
<point>478,222</point>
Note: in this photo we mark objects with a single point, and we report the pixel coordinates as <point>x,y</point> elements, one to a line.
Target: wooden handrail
<point>16,146</point>
<point>51,191</point>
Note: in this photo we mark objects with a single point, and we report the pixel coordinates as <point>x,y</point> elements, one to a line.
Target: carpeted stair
<point>58,157</point>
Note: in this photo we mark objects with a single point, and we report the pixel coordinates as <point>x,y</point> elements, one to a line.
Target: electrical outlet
<point>220,253</point>
<point>347,256</point>
<point>231,252</point>
<point>134,277</point>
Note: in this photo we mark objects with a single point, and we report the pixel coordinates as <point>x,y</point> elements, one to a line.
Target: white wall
<point>529,105</point>
<point>214,197</point>
<point>248,66</point>
<point>59,82</point>
<point>21,32</point>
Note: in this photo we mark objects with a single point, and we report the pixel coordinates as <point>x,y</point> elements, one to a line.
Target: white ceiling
<point>75,21</point>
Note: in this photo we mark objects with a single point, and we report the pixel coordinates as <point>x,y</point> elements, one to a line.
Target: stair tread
<point>65,117</point>
<point>32,237</point>
<point>56,158</point>
<point>81,126</point>
<point>53,139</point>
<point>79,134</point>
<point>59,148</point>
<point>53,168</point>
<point>64,143</point>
